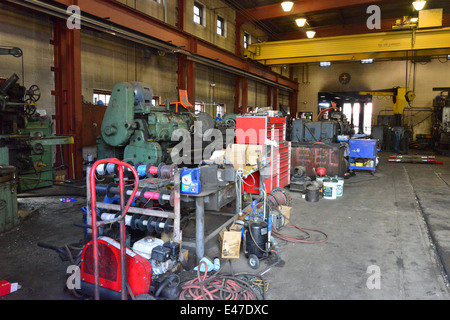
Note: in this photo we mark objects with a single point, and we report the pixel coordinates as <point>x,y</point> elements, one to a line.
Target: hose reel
<point>151,224</point>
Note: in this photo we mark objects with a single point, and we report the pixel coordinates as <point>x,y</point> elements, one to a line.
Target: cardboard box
<point>230,242</point>
<point>244,155</point>
<point>286,212</point>
<point>60,176</point>
<point>254,152</point>
<point>236,155</point>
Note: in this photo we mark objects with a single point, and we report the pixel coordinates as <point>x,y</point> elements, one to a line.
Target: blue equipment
<point>190,181</point>
<point>363,154</point>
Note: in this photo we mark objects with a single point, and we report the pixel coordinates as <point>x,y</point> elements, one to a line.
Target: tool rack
<point>123,209</point>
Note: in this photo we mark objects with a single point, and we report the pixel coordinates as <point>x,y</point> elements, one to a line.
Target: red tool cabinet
<point>271,132</point>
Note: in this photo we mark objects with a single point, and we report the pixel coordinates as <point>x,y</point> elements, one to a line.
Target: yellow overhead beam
<point>349,57</point>
<point>392,44</point>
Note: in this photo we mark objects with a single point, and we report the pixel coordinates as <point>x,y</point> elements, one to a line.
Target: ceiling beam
<point>341,30</point>
<point>349,29</point>
<point>301,7</point>
<point>395,55</point>
<point>113,17</point>
<point>349,47</point>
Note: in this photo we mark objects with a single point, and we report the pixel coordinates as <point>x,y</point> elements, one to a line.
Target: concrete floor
<point>389,230</point>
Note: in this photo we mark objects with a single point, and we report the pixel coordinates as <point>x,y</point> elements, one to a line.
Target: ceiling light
<point>287,5</point>
<point>310,34</point>
<point>418,5</point>
<point>366,61</point>
<point>300,22</point>
<point>325,63</point>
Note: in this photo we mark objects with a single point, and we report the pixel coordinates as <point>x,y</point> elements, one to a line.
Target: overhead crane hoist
<point>400,98</point>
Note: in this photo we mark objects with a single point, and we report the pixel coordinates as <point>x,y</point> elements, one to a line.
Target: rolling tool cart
<point>363,155</point>
<point>269,133</point>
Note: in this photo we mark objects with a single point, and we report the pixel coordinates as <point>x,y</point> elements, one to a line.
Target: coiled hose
<point>222,287</point>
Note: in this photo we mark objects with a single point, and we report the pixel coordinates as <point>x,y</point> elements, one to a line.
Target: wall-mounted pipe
<point>58,10</point>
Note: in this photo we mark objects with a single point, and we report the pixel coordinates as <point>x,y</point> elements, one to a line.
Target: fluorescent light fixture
<point>419,5</point>
<point>300,22</point>
<point>310,34</point>
<point>287,5</point>
<point>325,63</point>
<point>366,61</point>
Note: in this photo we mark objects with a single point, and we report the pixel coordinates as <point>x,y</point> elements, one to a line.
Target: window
<point>246,40</point>
<point>368,118</point>
<point>220,110</point>
<point>221,26</point>
<point>101,96</point>
<point>199,107</point>
<point>156,100</point>
<point>352,113</point>
<point>347,111</point>
<point>198,13</point>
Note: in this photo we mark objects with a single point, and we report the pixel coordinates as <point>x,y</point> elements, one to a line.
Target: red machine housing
<point>139,270</point>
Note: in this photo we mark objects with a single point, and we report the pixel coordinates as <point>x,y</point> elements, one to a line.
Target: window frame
<point>247,40</point>
<point>200,15</point>
<point>199,107</point>
<point>223,29</point>
<point>101,92</point>
<point>156,100</point>
<point>222,109</point>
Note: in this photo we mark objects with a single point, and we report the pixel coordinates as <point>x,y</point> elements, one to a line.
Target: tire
<point>253,261</point>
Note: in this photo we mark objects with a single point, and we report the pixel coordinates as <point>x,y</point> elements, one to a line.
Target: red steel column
<point>191,72</point>
<point>269,96</point>
<point>181,71</point>
<point>68,109</point>
<point>237,94</point>
<point>275,99</point>
<point>244,95</point>
<point>293,97</point>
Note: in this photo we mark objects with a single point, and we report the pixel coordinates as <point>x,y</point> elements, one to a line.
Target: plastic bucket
<point>321,179</point>
<point>340,187</point>
<point>329,188</point>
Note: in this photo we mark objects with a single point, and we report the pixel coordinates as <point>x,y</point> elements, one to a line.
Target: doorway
<point>355,115</point>
<point>357,108</point>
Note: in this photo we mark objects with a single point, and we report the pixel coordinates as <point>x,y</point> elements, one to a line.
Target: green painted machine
<point>133,129</point>
<point>26,138</point>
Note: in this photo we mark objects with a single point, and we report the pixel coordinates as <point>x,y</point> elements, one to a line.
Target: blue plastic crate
<point>362,148</point>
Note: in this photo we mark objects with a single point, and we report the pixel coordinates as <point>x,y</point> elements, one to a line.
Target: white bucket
<point>320,179</point>
<point>329,188</point>
<point>340,187</point>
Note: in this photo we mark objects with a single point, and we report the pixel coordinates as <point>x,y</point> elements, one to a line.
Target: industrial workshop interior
<point>236,150</point>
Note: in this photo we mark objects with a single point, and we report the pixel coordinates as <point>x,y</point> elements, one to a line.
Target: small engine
<point>163,257</point>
